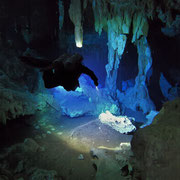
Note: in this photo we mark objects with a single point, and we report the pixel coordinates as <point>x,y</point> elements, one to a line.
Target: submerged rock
<point>121,124</point>
<point>31,145</point>
<point>41,174</point>
<point>156,147</point>
<point>110,163</point>
<point>81,157</point>
<point>19,167</point>
<point>86,100</point>
<point>150,118</point>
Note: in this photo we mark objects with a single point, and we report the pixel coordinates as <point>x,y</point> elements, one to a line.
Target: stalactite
<point>123,13</point>
<point>101,14</point>
<point>85,3</point>
<point>61,14</point>
<point>116,45</point>
<point>121,22</point>
<point>121,18</point>
<point>127,21</point>
<point>117,17</point>
<point>137,97</point>
<point>140,26</point>
<point>144,60</point>
<point>76,17</point>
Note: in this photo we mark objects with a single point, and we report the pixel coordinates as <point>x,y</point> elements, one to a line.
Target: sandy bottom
<point>63,140</point>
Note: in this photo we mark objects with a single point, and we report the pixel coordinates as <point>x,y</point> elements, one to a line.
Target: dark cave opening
<point>12,129</point>
<point>166,55</point>
<point>128,68</point>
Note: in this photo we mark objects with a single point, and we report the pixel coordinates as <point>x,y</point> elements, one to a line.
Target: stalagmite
<point>76,17</point>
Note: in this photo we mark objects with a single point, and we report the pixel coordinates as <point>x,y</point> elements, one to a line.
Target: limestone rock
<point>17,86</point>
<point>165,86</point>
<point>15,103</point>
<point>149,118</point>
<point>173,29</point>
<point>116,46</point>
<point>19,167</point>
<point>156,147</point>
<point>140,26</point>
<point>80,157</point>
<point>31,145</point>
<point>91,101</point>
<point>121,124</point>
<point>41,174</point>
<point>137,98</point>
<point>76,17</point>
<point>109,167</point>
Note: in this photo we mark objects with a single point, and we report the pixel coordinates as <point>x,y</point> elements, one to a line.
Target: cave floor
<point>63,140</point>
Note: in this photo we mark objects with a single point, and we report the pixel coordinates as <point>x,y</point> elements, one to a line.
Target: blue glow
<point>87,99</point>
<point>78,89</point>
<point>60,88</point>
<point>96,57</point>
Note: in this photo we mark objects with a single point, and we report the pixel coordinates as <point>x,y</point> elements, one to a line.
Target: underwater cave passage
<point>86,87</point>
<point>128,68</point>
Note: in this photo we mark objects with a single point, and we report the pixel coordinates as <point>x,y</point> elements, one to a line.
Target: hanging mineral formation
<point>116,45</point>
<point>117,18</point>
<point>75,15</point>
<point>61,14</point>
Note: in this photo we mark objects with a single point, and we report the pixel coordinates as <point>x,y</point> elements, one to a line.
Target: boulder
<point>110,162</point>
<point>31,145</point>
<point>156,147</point>
<point>122,124</point>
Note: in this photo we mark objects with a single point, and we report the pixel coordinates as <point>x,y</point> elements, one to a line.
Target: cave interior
<point>127,127</point>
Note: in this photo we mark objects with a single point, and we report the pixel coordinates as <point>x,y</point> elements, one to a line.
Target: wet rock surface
<point>156,147</point>
<point>112,163</point>
<point>16,163</point>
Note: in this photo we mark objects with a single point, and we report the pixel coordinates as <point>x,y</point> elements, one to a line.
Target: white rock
<point>121,124</point>
<point>60,133</point>
<point>48,132</point>
<point>81,157</point>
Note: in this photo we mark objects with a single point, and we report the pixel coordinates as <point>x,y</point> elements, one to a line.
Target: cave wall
<point>165,66</point>
<point>159,143</point>
<point>31,23</point>
<point>27,27</point>
<point>21,88</point>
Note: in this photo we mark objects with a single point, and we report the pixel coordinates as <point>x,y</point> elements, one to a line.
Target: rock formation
<point>122,124</point>
<point>156,147</point>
